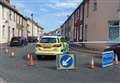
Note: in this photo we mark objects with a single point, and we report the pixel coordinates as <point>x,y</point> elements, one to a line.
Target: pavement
<point>3,45</point>
<point>16,69</point>
<point>2,80</point>
<point>78,47</point>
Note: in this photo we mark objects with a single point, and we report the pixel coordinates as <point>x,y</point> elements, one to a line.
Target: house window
<point>80,33</point>
<point>17,18</point>
<point>8,1</point>
<point>94,5</point>
<point>88,1</point>
<point>118,6</point>
<point>81,13</point>
<point>114,30</point>
<point>10,15</point>
<point>8,33</point>
<point>14,16</point>
<point>2,12</point>
<point>3,30</point>
<point>85,32</point>
<point>13,32</point>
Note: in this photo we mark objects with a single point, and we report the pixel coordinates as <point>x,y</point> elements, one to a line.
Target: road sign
<point>65,61</point>
<point>107,58</point>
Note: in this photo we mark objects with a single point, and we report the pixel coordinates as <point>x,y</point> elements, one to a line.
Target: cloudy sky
<point>50,14</point>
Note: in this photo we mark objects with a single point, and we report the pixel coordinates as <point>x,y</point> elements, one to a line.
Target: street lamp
<point>32,23</point>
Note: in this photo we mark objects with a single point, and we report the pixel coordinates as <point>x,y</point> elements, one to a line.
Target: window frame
<point>3,10</point>
<point>87,7</point>
<point>95,5</point>
<point>111,25</point>
<point>3,30</point>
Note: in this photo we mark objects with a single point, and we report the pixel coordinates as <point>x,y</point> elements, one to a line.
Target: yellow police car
<point>51,45</point>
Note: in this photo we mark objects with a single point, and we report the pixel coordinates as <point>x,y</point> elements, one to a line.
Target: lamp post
<point>32,23</point>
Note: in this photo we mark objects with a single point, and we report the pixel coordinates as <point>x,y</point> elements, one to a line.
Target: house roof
<point>12,8</point>
<point>73,12</point>
<point>34,22</point>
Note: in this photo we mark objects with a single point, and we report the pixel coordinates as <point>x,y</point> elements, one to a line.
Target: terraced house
<point>33,28</point>
<point>101,22</point>
<point>95,20</point>
<point>12,23</point>
<point>73,26</point>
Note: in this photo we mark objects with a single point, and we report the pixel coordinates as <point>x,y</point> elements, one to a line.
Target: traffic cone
<point>28,56</point>
<point>92,64</point>
<point>12,54</point>
<point>116,60</point>
<point>30,60</point>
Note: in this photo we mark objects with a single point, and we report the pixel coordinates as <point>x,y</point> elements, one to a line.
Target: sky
<point>50,14</point>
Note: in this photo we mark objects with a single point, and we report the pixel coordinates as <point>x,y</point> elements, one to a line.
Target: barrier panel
<point>107,58</point>
<point>65,61</point>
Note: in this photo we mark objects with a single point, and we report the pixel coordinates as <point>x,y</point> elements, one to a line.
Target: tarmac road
<point>16,69</point>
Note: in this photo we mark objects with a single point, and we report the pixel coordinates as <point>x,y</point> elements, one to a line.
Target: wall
<point>37,31</point>
<point>72,28</point>
<point>29,27</point>
<point>0,24</point>
<point>6,32</point>
<point>97,21</point>
<point>25,28</point>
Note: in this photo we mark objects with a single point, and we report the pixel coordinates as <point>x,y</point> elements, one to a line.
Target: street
<point>83,36</point>
<point>16,69</point>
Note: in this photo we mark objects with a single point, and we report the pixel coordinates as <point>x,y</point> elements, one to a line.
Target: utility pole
<point>32,23</point>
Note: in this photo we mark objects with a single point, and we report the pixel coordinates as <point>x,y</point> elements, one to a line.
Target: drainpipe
<point>83,19</point>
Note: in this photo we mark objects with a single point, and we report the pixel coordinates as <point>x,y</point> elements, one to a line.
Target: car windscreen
<point>16,39</point>
<point>48,40</point>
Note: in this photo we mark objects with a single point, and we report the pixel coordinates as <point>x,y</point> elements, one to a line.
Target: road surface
<point>16,69</point>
